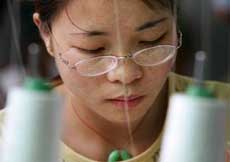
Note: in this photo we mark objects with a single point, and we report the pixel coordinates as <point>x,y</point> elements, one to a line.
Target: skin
<point>89,95</point>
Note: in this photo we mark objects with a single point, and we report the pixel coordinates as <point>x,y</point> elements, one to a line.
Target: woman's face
<point>115,28</point>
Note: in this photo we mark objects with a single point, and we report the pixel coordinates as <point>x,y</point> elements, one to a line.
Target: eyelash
<point>94,51</point>
<point>154,41</point>
<point>100,49</point>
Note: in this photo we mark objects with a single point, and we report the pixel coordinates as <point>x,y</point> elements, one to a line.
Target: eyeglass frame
<point>117,58</point>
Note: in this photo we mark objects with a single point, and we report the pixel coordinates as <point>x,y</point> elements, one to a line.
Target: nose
<point>126,72</point>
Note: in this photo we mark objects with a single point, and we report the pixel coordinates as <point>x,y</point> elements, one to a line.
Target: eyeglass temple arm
<point>180,39</point>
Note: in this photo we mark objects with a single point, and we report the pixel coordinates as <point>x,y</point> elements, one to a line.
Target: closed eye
<point>158,40</point>
<point>92,51</point>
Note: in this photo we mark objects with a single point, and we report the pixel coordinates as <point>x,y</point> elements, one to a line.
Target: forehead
<point>102,14</point>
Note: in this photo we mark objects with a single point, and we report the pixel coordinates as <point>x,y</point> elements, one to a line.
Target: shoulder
<point>1,115</point>
<point>179,83</point>
<point>1,118</point>
<point>1,122</point>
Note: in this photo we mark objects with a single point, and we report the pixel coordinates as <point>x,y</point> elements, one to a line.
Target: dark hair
<point>48,9</point>
<point>168,4</point>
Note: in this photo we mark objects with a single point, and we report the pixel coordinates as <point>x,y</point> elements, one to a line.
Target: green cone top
<point>37,84</point>
<point>200,91</point>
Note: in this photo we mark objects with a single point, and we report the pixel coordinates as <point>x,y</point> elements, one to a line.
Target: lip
<point>126,102</point>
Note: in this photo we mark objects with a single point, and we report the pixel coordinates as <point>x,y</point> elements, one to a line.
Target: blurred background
<point>205,25</point>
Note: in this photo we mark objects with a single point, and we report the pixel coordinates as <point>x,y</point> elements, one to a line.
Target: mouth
<point>128,102</point>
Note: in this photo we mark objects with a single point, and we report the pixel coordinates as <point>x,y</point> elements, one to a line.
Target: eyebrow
<point>90,33</point>
<point>150,24</point>
<point>145,26</point>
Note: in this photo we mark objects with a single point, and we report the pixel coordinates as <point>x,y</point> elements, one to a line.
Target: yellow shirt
<point>177,83</point>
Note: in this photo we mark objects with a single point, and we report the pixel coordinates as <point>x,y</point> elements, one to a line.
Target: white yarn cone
<point>194,130</point>
<point>32,125</point>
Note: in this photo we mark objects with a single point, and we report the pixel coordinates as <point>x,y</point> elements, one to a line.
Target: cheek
<point>164,69</point>
<point>78,85</point>
<point>155,77</point>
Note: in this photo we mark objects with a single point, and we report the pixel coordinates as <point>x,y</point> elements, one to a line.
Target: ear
<point>44,32</point>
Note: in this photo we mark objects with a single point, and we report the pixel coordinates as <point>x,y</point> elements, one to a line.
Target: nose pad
<point>126,72</point>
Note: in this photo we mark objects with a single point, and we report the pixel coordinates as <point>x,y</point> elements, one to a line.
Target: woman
<point>114,58</point>
<point>97,99</point>
<point>116,93</point>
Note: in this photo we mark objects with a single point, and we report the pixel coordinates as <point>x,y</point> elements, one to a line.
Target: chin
<point>122,116</point>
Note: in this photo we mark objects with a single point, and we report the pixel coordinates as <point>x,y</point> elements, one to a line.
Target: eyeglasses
<point>148,57</point>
